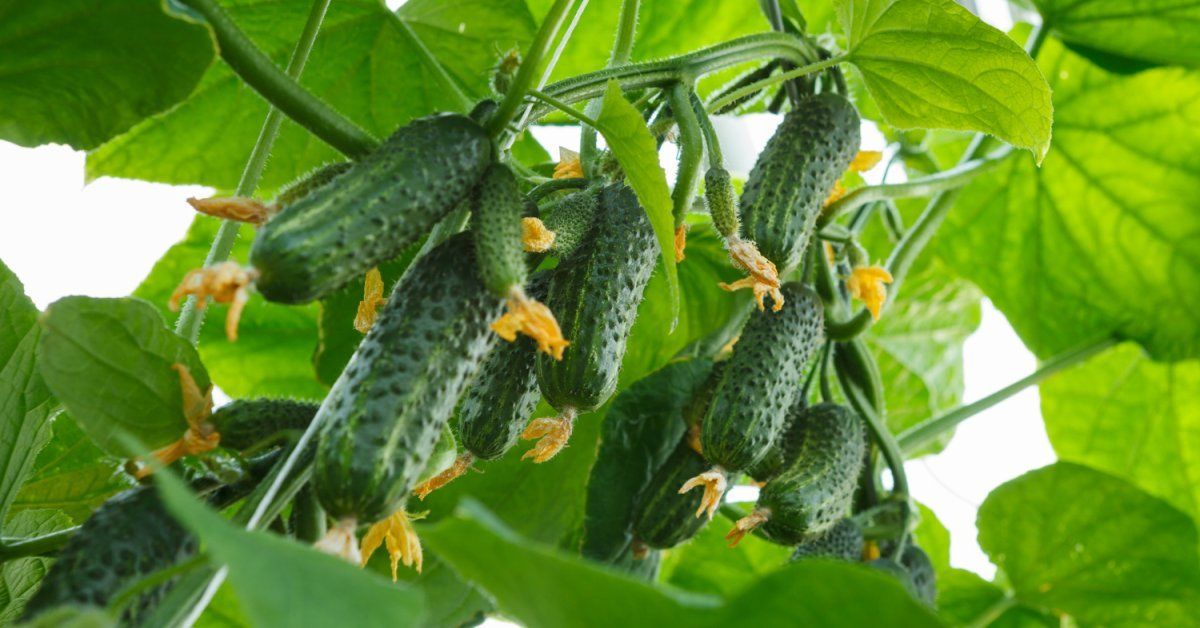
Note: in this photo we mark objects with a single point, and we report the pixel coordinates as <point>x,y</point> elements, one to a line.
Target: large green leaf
<point>1133,417</point>
<point>1100,239</point>
<point>378,68</point>
<point>71,474</point>
<point>19,578</point>
<point>965,599</point>
<point>79,72</point>
<point>18,313</point>
<point>933,64</point>
<point>282,583</point>
<point>1080,542</point>
<point>109,361</point>
<point>706,564</point>
<point>1162,31</point>
<point>272,355</point>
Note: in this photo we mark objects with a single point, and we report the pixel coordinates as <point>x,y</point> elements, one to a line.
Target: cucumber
<point>664,517</point>
<point>311,182</point>
<point>794,174</point>
<point>842,541</point>
<point>816,490</point>
<point>782,453</point>
<point>595,293</point>
<point>758,386</point>
<point>718,195</point>
<point>496,211</point>
<point>500,401</point>
<point>246,423</point>
<point>386,412</point>
<point>378,207</point>
<point>915,571</point>
<point>571,220</point>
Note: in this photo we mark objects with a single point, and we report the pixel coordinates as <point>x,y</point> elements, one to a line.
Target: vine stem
<point>918,436</point>
<point>993,612</point>
<point>772,80</point>
<point>191,318</point>
<point>622,50</point>
<point>11,548</point>
<point>541,44</point>
<point>279,88</point>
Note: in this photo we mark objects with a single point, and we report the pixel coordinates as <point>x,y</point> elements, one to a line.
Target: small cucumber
<point>664,517</point>
<point>378,207</point>
<point>842,541</point>
<point>915,571</point>
<point>247,423</point>
<point>795,173</point>
<point>571,220</point>
<point>496,211</point>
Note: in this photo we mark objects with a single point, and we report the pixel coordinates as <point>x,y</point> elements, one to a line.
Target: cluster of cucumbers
<point>431,356</point>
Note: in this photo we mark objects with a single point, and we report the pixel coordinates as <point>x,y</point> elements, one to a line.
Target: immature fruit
<point>816,490</point>
<point>794,174</point>
<point>571,220</point>
<point>915,570</point>
<point>664,517</point>
<point>377,208</point>
<point>782,453</point>
<point>247,423</point>
<point>595,295</point>
<point>842,541</point>
<point>496,211</point>
<point>383,418</point>
<point>722,206</point>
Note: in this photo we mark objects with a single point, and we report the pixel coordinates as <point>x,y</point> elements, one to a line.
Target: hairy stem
<point>530,65</point>
<point>279,88</point>
<point>918,436</point>
<point>752,88</point>
<point>191,318</point>
<point>622,49</point>
<point>566,109</point>
<point>691,150</point>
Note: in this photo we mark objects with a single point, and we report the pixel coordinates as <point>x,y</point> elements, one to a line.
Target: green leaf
<point>707,564</point>
<point>378,68</point>
<point>934,538</point>
<point>1162,31</point>
<point>1130,416</point>
<point>71,474</point>
<point>79,72</point>
<point>1084,543</point>
<point>932,64</point>
<point>273,353</point>
<point>1099,240</point>
<point>109,361</point>
<point>635,149</point>
<point>72,617</point>
<point>282,583</point>
<point>19,578</point>
<point>965,599</point>
<point>19,313</point>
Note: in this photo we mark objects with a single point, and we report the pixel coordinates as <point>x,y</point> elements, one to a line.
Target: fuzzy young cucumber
<point>571,220</point>
<point>816,490</point>
<point>247,423</point>
<point>842,541</point>
<point>378,207</point>
<point>795,173</point>
<point>758,386</point>
<point>595,294</point>
<point>385,414</point>
<point>496,210</point>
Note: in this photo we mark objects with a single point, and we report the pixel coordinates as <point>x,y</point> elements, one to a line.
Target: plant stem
<point>993,612</point>
<point>530,65</point>
<point>280,89</point>
<point>777,78</point>
<point>955,177</point>
<point>918,436</point>
<point>11,548</point>
<point>191,318</point>
<point>712,144</point>
<point>622,49</point>
<point>542,190</point>
<point>564,108</point>
<point>691,150</point>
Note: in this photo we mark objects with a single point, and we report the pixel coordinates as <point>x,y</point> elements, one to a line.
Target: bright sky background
<point>61,237</point>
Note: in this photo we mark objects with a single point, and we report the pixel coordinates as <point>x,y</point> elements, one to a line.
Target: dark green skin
<point>245,423</point>
<point>718,194</point>
<point>664,517</point>
<point>842,541</point>
<point>386,412</point>
<point>497,207</point>
<point>311,182</point>
<point>816,491</point>
<point>594,294</point>
<point>500,400</point>
<point>915,571</point>
<point>794,175</point>
<point>571,220</point>
<point>762,380</point>
<point>782,453</point>
<point>377,208</point>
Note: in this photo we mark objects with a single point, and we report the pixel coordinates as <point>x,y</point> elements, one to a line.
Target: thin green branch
<point>191,318</point>
<point>918,436</point>
<point>542,190</point>
<point>279,88</point>
<point>570,111</point>
<point>622,49</point>
<point>691,150</point>
<point>49,543</point>
<point>712,144</point>
<point>530,65</point>
<point>752,88</point>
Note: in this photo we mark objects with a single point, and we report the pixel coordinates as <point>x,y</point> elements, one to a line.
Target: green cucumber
<point>570,218</point>
<point>842,541</point>
<point>497,207</point>
<point>311,182</point>
<point>816,490</point>
<point>664,517</point>
<point>762,380</point>
<point>722,207</point>
<point>595,295</point>
<point>378,207</point>
<point>795,173</point>
<point>247,423</point>
<point>385,414</point>
<point>782,453</point>
<point>915,571</point>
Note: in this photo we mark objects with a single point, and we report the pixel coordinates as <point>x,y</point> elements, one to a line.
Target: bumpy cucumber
<point>571,219</point>
<point>664,517</point>
<point>311,182</point>
<point>915,570</point>
<point>386,411</point>
<point>595,295</point>
<point>639,432</point>
<point>377,208</point>
<point>245,423</point>
<point>842,541</point>
<point>816,490</point>
<point>795,173</point>
<point>496,210</point>
<point>718,195</point>
<point>762,380</point>
<point>782,453</point>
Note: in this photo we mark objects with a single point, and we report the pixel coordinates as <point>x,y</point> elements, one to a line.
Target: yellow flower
<point>535,237</point>
<point>552,434</point>
<point>236,208</point>
<point>402,542</point>
<point>680,242</point>
<point>763,276</point>
<point>568,166</point>
<point>368,308</point>
<point>532,318</point>
<point>866,283</point>
<point>836,193</point>
<point>865,160</point>
<point>200,436</point>
<point>225,282</point>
